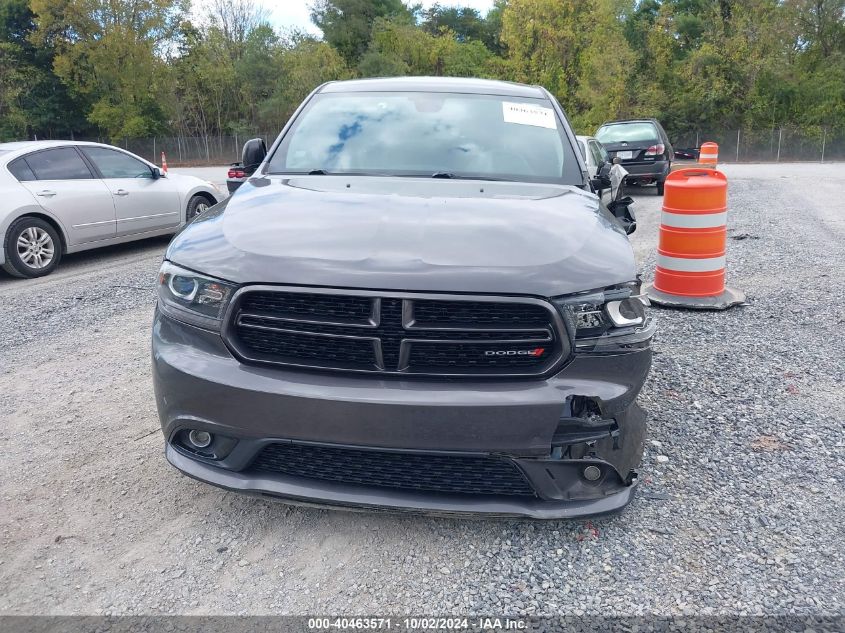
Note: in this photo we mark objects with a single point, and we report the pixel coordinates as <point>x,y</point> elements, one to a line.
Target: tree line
<point>140,68</point>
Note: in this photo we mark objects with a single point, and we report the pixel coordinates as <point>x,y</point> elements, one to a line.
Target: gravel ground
<point>740,510</point>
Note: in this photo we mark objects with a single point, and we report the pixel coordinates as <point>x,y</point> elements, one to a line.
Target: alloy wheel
<point>35,247</point>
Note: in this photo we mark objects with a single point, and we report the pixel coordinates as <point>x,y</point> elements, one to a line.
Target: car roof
<point>436,84</point>
<point>628,121</point>
<point>11,151</point>
<point>30,145</point>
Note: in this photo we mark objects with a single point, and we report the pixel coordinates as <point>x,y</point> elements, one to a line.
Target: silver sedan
<point>66,196</point>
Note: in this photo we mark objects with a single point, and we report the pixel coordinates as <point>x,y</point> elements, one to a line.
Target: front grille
<point>304,305</point>
<point>479,314</point>
<point>403,335</point>
<point>454,474</point>
<point>277,344</point>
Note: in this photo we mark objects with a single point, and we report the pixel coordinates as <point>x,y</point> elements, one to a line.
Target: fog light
<point>592,473</point>
<point>200,439</point>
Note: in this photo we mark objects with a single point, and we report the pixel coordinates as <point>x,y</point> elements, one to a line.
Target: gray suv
<point>415,302</point>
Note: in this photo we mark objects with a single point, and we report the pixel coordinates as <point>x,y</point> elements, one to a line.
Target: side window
<point>21,170</point>
<point>114,164</point>
<point>62,163</point>
<point>596,151</point>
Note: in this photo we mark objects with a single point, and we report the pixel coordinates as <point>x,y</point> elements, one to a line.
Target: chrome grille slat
<point>304,332</point>
<point>271,317</point>
<point>378,332</point>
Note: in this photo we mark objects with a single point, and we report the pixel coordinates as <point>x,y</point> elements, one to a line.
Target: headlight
<point>630,311</point>
<point>193,298</point>
<point>606,318</point>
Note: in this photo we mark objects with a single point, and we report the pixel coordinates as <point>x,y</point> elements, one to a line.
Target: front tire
<point>32,247</point>
<point>196,206</point>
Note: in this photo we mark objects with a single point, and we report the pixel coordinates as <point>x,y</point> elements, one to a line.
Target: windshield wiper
<point>453,176</point>
<point>438,174</point>
<point>322,172</point>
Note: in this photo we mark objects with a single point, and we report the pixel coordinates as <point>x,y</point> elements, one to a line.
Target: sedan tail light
<point>237,173</point>
<point>655,150</point>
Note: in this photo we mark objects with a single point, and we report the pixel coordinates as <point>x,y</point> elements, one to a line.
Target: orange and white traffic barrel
<point>708,154</point>
<point>690,269</point>
<point>163,163</point>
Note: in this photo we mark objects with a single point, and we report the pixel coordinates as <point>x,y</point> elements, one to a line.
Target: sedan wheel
<point>32,248</point>
<point>36,248</point>
<point>196,206</point>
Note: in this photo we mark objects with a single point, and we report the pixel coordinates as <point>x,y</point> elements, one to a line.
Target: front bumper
<point>200,385</point>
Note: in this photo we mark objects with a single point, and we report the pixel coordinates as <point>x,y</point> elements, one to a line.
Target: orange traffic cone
<point>708,155</point>
<point>163,163</point>
<point>690,270</point>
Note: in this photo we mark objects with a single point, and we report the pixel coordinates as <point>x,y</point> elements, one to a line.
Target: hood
<point>409,234</point>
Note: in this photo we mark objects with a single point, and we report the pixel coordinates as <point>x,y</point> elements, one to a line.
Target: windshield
<point>426,134</point>
<point>642,131</point>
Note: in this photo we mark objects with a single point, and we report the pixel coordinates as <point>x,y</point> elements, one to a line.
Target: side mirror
<point>604,173</point>
<point>602,178</point>
<point>255,150</point>
<point>157,173</point>
<point>621,210</point>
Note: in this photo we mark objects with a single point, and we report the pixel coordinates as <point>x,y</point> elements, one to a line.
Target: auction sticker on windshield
<point>528,114</point>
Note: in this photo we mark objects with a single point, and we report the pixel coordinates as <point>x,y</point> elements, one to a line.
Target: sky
<point>294,13</point>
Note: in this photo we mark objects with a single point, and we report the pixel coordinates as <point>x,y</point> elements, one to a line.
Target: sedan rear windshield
<point>630,132</point>
<point>426,134</point>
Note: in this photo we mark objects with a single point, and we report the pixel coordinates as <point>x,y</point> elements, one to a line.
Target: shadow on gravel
<point>104,256</point>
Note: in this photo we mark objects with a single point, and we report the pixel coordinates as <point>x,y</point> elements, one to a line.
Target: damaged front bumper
<point>575,438</point>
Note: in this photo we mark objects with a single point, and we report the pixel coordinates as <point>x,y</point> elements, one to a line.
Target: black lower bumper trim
<point>406,470</point>
<point>344,496</point>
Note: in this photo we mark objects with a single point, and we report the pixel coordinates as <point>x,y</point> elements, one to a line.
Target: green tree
<point>577,50</point>
<point>492,37</point>
<point>13,119</point>
<point>207,83</point>
<point>347,24</point>
<point>302,64</point>
<point>545,40</point>
<point>111,53</point>
<point>33,101</point>
<point>400,48</point>
<point>257,72</point>
<point>604,78</point>
<point>225,69</point>
<point>462,23</point>
<point>375,63</point>
<point>137,67</point>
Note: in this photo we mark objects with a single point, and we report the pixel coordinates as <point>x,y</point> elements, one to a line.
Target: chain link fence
<point>187,151</point>
<point>777,144</point>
